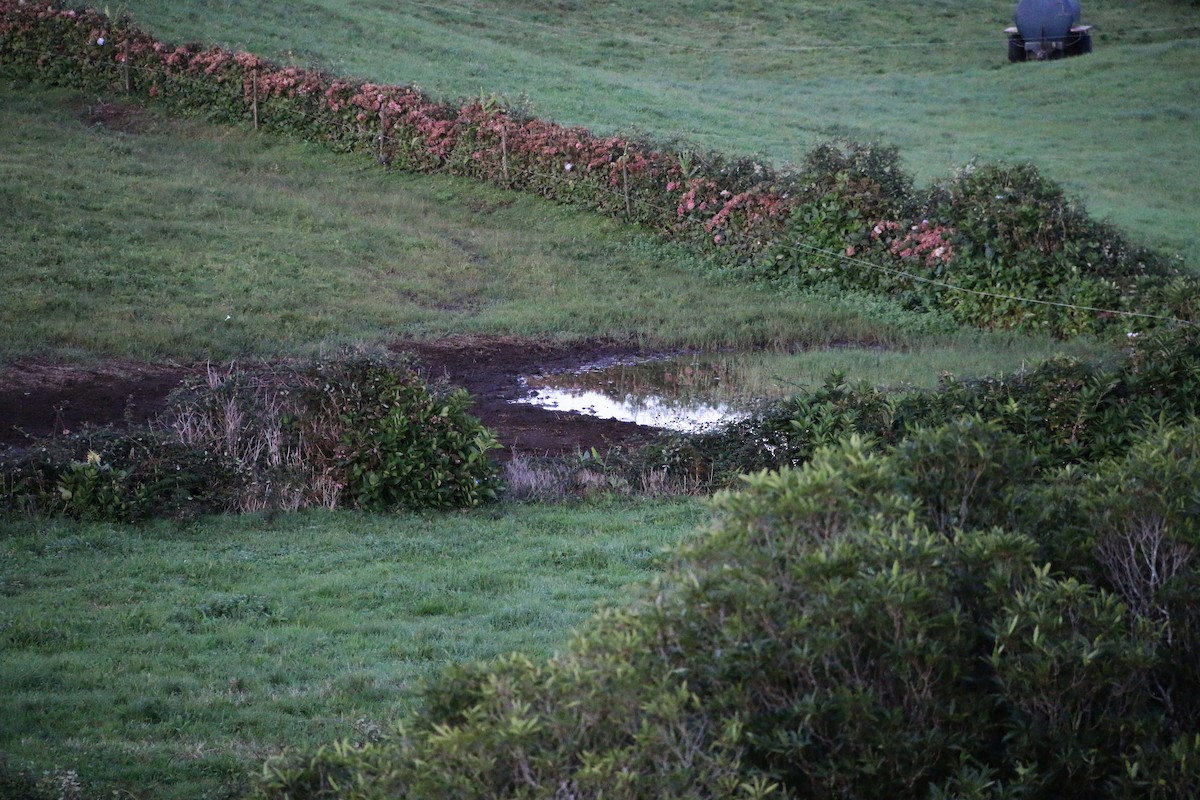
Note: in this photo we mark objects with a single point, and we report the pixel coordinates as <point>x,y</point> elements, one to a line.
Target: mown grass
<point>1119,128</point>
<point>151,237</point>
<point>168,660</point>
<point>191,241</point>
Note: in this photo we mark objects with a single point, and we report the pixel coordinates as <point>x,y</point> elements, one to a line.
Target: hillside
<point>1119,128</point>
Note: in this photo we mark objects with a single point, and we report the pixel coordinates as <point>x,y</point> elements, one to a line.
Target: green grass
<point>191,241</point>
<point>167,661</point>
<point>744,377</point>
<point>162,238</point>
<point>1120,128</point>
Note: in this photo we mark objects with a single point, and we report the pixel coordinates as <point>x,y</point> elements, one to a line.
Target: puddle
<point>683,393</point>
<point>692,391</point>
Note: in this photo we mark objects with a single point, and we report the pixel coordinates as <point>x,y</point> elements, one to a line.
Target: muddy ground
<point>39,398</point>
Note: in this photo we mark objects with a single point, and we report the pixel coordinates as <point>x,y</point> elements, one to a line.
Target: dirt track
<point>37,399</point>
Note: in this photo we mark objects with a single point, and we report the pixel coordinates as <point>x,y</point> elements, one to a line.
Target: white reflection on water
<point>655,412</point>
<point>685,393</point>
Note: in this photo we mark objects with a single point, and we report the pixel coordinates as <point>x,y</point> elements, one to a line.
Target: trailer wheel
<point>1016,49</point>
<point>1079,44</point>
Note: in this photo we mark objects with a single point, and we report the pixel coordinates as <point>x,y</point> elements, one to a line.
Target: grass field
<point>157,238</point>
<point>1119,128</point>
<point>165,661</point>
<point>168,660</point>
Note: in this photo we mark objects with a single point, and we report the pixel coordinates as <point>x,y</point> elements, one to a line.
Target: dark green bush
<point>115,475</point>
<point>996,245</point>
<point>844,190</point>
<point>1132,526</point>
<point>1063,411</point>
<point>1017,234</point>
<point>402,445</point>
<point>964,474</point>
<point>1013,212</point>
<point>355,430</point>
<point>866,178</point>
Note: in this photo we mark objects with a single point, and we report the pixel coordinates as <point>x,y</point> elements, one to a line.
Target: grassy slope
<point>190,241</point>
<point>157,238</point>
<point>206,647</point>
<point>1120,128</point>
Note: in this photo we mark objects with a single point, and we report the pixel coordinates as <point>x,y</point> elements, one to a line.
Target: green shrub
<point>115,475</point>
<point>1062,411</point>
<point>402,445</point>
<point>866,178</point>
<point>996,245</point>
<point>1017,234</point>
<point>354,430</point>
<point>94,490</point>
<point>1013,212</point>
<point>964,474</point>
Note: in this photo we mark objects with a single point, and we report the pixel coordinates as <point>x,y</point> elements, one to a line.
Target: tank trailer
<point>1047,29</point>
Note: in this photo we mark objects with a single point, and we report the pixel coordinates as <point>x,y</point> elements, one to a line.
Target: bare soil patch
<point>123,117</point>
<point>41,399</point>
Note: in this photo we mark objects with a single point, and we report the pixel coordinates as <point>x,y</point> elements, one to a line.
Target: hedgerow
<point>980,245</point>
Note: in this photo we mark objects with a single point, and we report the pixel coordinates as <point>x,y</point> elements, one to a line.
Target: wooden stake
<point>504,152</point>
<point>254,95</point>
<point>128,80</point>
<point>625,180</point>
<point>382,134</point>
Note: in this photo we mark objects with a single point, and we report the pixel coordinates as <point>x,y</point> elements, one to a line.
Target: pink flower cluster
<point>551,147</point>
<point>277,81</point>
<point>925,241</point>
<point>723,211</point>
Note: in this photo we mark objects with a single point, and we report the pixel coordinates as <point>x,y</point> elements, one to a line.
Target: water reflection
<point>683,393</point>
<point>689,391</point>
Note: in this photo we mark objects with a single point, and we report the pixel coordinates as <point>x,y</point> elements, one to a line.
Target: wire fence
<point>860,263</point>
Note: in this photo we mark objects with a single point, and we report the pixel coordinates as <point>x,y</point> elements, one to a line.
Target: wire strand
<point>858,262</point>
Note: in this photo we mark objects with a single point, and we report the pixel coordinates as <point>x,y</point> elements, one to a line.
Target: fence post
<point>382,134</point>
<point>125,62</point>
<point>504,151</point>
<point>254,94</point>
<point>625,181</point>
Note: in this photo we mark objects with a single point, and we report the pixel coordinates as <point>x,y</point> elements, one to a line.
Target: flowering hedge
<point>399,124</point>
<point>834,220</point>
<point>980,245</point>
